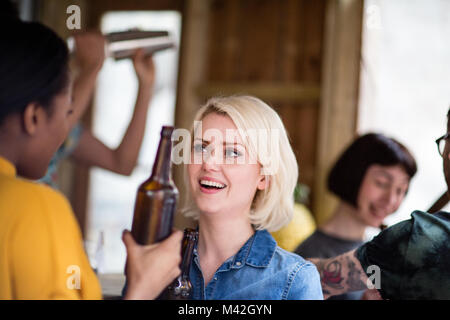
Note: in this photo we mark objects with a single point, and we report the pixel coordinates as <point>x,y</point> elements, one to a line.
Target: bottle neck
<point>162,166</point>
<point>188,252</point>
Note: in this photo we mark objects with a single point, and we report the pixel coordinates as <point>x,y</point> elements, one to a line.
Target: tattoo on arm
<point>355,274</point>
<point>332,274</point>
<point>341,274</point>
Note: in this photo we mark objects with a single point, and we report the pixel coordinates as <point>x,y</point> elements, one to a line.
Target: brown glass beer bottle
<point>181,287</point>
<point>156,198</point>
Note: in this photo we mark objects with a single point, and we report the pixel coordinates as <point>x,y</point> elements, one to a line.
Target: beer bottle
<point>156,197</point>
<point>181,288</point>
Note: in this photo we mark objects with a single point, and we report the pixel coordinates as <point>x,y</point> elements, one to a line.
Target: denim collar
<point>256,252</point>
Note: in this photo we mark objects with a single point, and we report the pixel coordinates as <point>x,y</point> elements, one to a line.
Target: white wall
<point>405,86</point>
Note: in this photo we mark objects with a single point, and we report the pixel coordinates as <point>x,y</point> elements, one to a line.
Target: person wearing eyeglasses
<point>441,142</point>
<point>409,260</point>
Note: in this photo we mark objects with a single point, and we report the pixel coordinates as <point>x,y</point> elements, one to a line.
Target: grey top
<point>322,245</point>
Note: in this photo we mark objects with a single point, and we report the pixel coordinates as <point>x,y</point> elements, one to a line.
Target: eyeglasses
<point>441,143</point>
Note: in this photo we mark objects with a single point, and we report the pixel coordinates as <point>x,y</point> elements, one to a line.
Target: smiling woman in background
<point>240,193</point>
<point>371,179</point>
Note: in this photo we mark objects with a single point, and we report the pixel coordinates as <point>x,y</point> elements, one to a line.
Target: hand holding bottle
<point>181,288</point>
<point>151,268</point>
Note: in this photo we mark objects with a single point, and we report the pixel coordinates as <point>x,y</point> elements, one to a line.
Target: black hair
<point>345,177</point>
<point>8,10</point>
<point>33,66</point>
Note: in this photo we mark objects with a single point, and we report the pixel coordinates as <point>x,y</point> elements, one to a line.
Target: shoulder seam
<point>292,275</point>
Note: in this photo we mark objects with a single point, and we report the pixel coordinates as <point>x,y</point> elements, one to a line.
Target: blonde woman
<point>241,176</point>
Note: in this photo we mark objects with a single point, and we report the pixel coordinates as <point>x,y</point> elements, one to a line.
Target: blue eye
<point>232,153</point>
<point>199,148</point>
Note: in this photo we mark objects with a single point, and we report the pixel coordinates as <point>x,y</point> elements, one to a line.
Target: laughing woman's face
<point>225,181</point>
<point>382,191</point>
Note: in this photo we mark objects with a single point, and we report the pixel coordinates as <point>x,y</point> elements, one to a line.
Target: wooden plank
<point>193,53</point>
<point>118,5</point>
<point>231,45</point>
<point>339,101</point>
<point>224,40</point>
<point>292,92</point>
<point>309,69</point>
<point>299,62</point>
<point>259,40</point>
<point>287,63</point>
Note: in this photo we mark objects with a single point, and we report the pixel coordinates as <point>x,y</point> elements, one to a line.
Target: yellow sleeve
<point>48,259</point>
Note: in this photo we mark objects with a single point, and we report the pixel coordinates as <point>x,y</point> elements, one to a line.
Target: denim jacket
<point>259,271</point>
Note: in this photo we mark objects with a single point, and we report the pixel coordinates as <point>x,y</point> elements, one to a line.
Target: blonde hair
<point>272,208</point>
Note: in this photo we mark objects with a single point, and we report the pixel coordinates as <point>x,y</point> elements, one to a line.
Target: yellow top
<point>41,251</point>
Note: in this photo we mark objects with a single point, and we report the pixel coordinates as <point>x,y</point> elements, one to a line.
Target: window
<point>111,196</point>
<point>404,88</point>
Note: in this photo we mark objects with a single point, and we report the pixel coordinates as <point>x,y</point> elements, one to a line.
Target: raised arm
<point>341,274</point>
<point>128,150</point>
<point>89,58</point>
<point>92,152</point>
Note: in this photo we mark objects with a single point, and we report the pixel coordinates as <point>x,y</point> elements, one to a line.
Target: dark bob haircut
<point>345,178</point>
<point>33,66</point>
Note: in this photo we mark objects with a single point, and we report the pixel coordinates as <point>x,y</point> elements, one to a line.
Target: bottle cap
<point>190,233</point>
<point>166,131</point>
